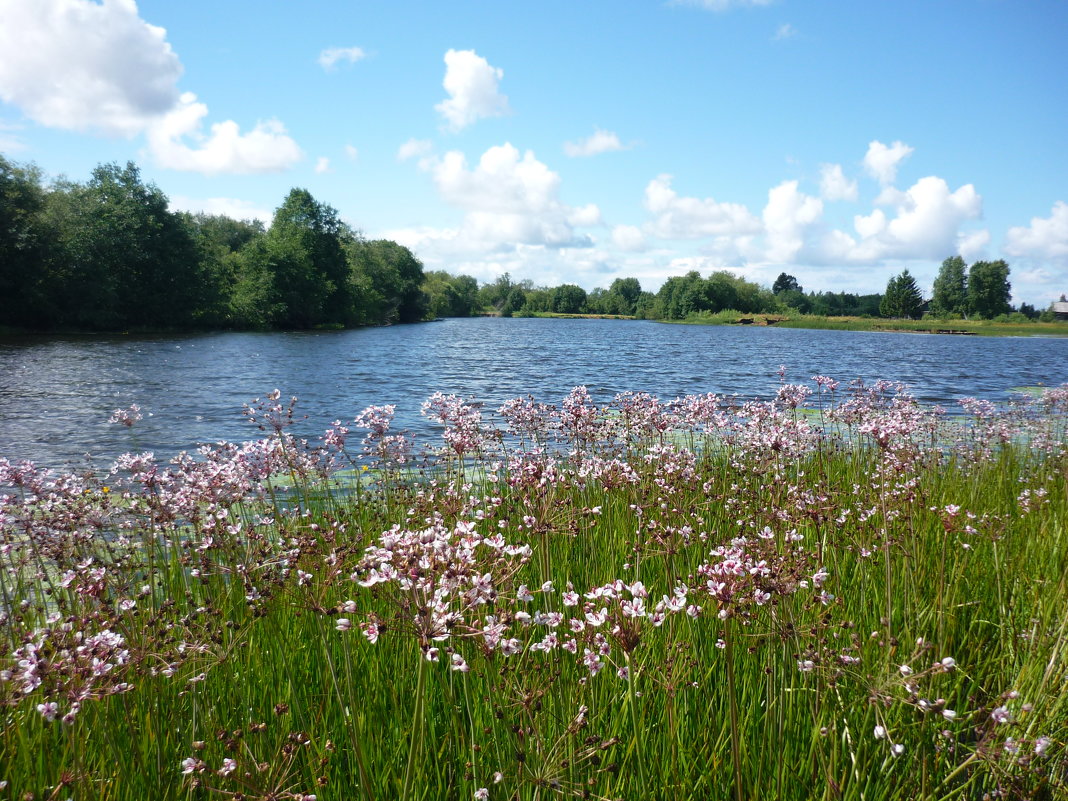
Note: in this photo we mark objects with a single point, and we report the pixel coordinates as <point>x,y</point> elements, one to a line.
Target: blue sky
<point>580,142</point>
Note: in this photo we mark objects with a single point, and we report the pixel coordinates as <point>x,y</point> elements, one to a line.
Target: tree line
<point>108,254</point>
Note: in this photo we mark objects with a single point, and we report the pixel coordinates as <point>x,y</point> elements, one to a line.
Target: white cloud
<point>882,161</point>
<point>971,245</point>
<point>785,31</point>
<point>1045,239</point>
<point>329,58</point>
<point>322,165</point>
<point>82,65</point>
<point>598,142</point>
<point>692,218</point>
<point>472,87</point>
<point>266,148</point>
<point>414,148</point>
<point>87,66</point>
<point>585,216</point>
<point>502,181</point>
<point>628,238</point>
<point>834,185</point>
<point>926,225</point>
<point>510,202</point>
<point>228,206</point>
<point>787,216</point>
<point>351,153</point>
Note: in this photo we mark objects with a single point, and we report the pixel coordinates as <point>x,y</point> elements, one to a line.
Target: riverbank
<point>985,328</point>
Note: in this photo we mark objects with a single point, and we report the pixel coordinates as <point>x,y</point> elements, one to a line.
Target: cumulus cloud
<point>834,185</point>
<point>926,224</point>
<point>88,66</point>
<point>266,148</point>
<point>585,216</point>
<point>228,206</point>
<point>503,180</point>
<point>332,56</point>
<point>787,216</point>
<point>510,203</point>
<point>971,245</point>
<point>472,87</point>
<point>322,165</point>
<point>1045,239</point>
<point>628,238</point>
<point>81,65</point>
<point>692,218</point>
<point>598,142</point>
<point>881,161</point>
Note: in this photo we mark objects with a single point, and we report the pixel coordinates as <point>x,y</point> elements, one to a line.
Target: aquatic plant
<point>836,592</point>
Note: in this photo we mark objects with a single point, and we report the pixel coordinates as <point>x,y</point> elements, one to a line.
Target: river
<point>57,392</point>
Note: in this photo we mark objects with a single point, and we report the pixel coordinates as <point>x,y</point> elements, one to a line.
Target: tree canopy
<point>902,297</point>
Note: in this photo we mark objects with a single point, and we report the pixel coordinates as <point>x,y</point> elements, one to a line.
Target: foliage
<point>989,290</point>
<point>569,299</point>
<point>110,255</point>
<point>902,297</point>
<point>786,283</point>
<point>450,295</point>
<point>682,295</point>
<point>23,242</point>
<point>950,296</point>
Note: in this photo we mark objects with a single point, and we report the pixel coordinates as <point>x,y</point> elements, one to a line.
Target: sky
<point>578,142</point>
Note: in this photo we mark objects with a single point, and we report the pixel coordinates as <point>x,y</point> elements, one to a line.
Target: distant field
<point>927,326</point>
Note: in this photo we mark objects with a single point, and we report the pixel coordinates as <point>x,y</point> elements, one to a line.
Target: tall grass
<point>833,594</point>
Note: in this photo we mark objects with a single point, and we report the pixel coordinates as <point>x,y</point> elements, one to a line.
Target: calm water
<point>56,393</point>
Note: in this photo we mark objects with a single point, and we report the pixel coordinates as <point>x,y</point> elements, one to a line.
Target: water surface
<point>56,393</point>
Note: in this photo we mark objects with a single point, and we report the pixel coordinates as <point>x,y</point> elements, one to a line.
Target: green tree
<point>989,289</point>
<point>950,295</point>
<point>786,283</point>
<point>219,242</point>
<point>306,256</point>
<point>628,290</point>
<point>121,258</point>
<point>569,299</point>
<point>450,295</point>
<point>386,280</point>
<point>902,298</point>
<point>23,246</point>
<point>515,301</point>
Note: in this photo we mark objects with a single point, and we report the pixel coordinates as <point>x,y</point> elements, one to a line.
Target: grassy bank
<point>690,600</point>
<point>563,316</point>
<point>925,326</point>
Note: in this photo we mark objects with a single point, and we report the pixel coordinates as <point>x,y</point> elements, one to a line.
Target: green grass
<point>777,699</point>
<point>977,327</point>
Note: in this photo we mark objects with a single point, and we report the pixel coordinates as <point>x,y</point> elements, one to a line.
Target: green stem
<point>416,746</point>
<point>736,735</point>
<point>636,741</point>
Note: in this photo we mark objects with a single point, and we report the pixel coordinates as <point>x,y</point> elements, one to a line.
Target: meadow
<point>926,325</point>
<point>836,593</point>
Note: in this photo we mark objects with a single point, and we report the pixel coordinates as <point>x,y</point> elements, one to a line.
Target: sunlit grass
<point>829,595</point>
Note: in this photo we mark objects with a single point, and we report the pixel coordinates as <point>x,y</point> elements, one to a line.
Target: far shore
<point>986,328</point>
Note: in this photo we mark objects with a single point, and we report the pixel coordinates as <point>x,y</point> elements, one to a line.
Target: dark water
<point>56,393</point>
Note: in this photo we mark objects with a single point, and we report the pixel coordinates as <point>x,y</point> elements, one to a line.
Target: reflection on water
<point>56,393</point>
